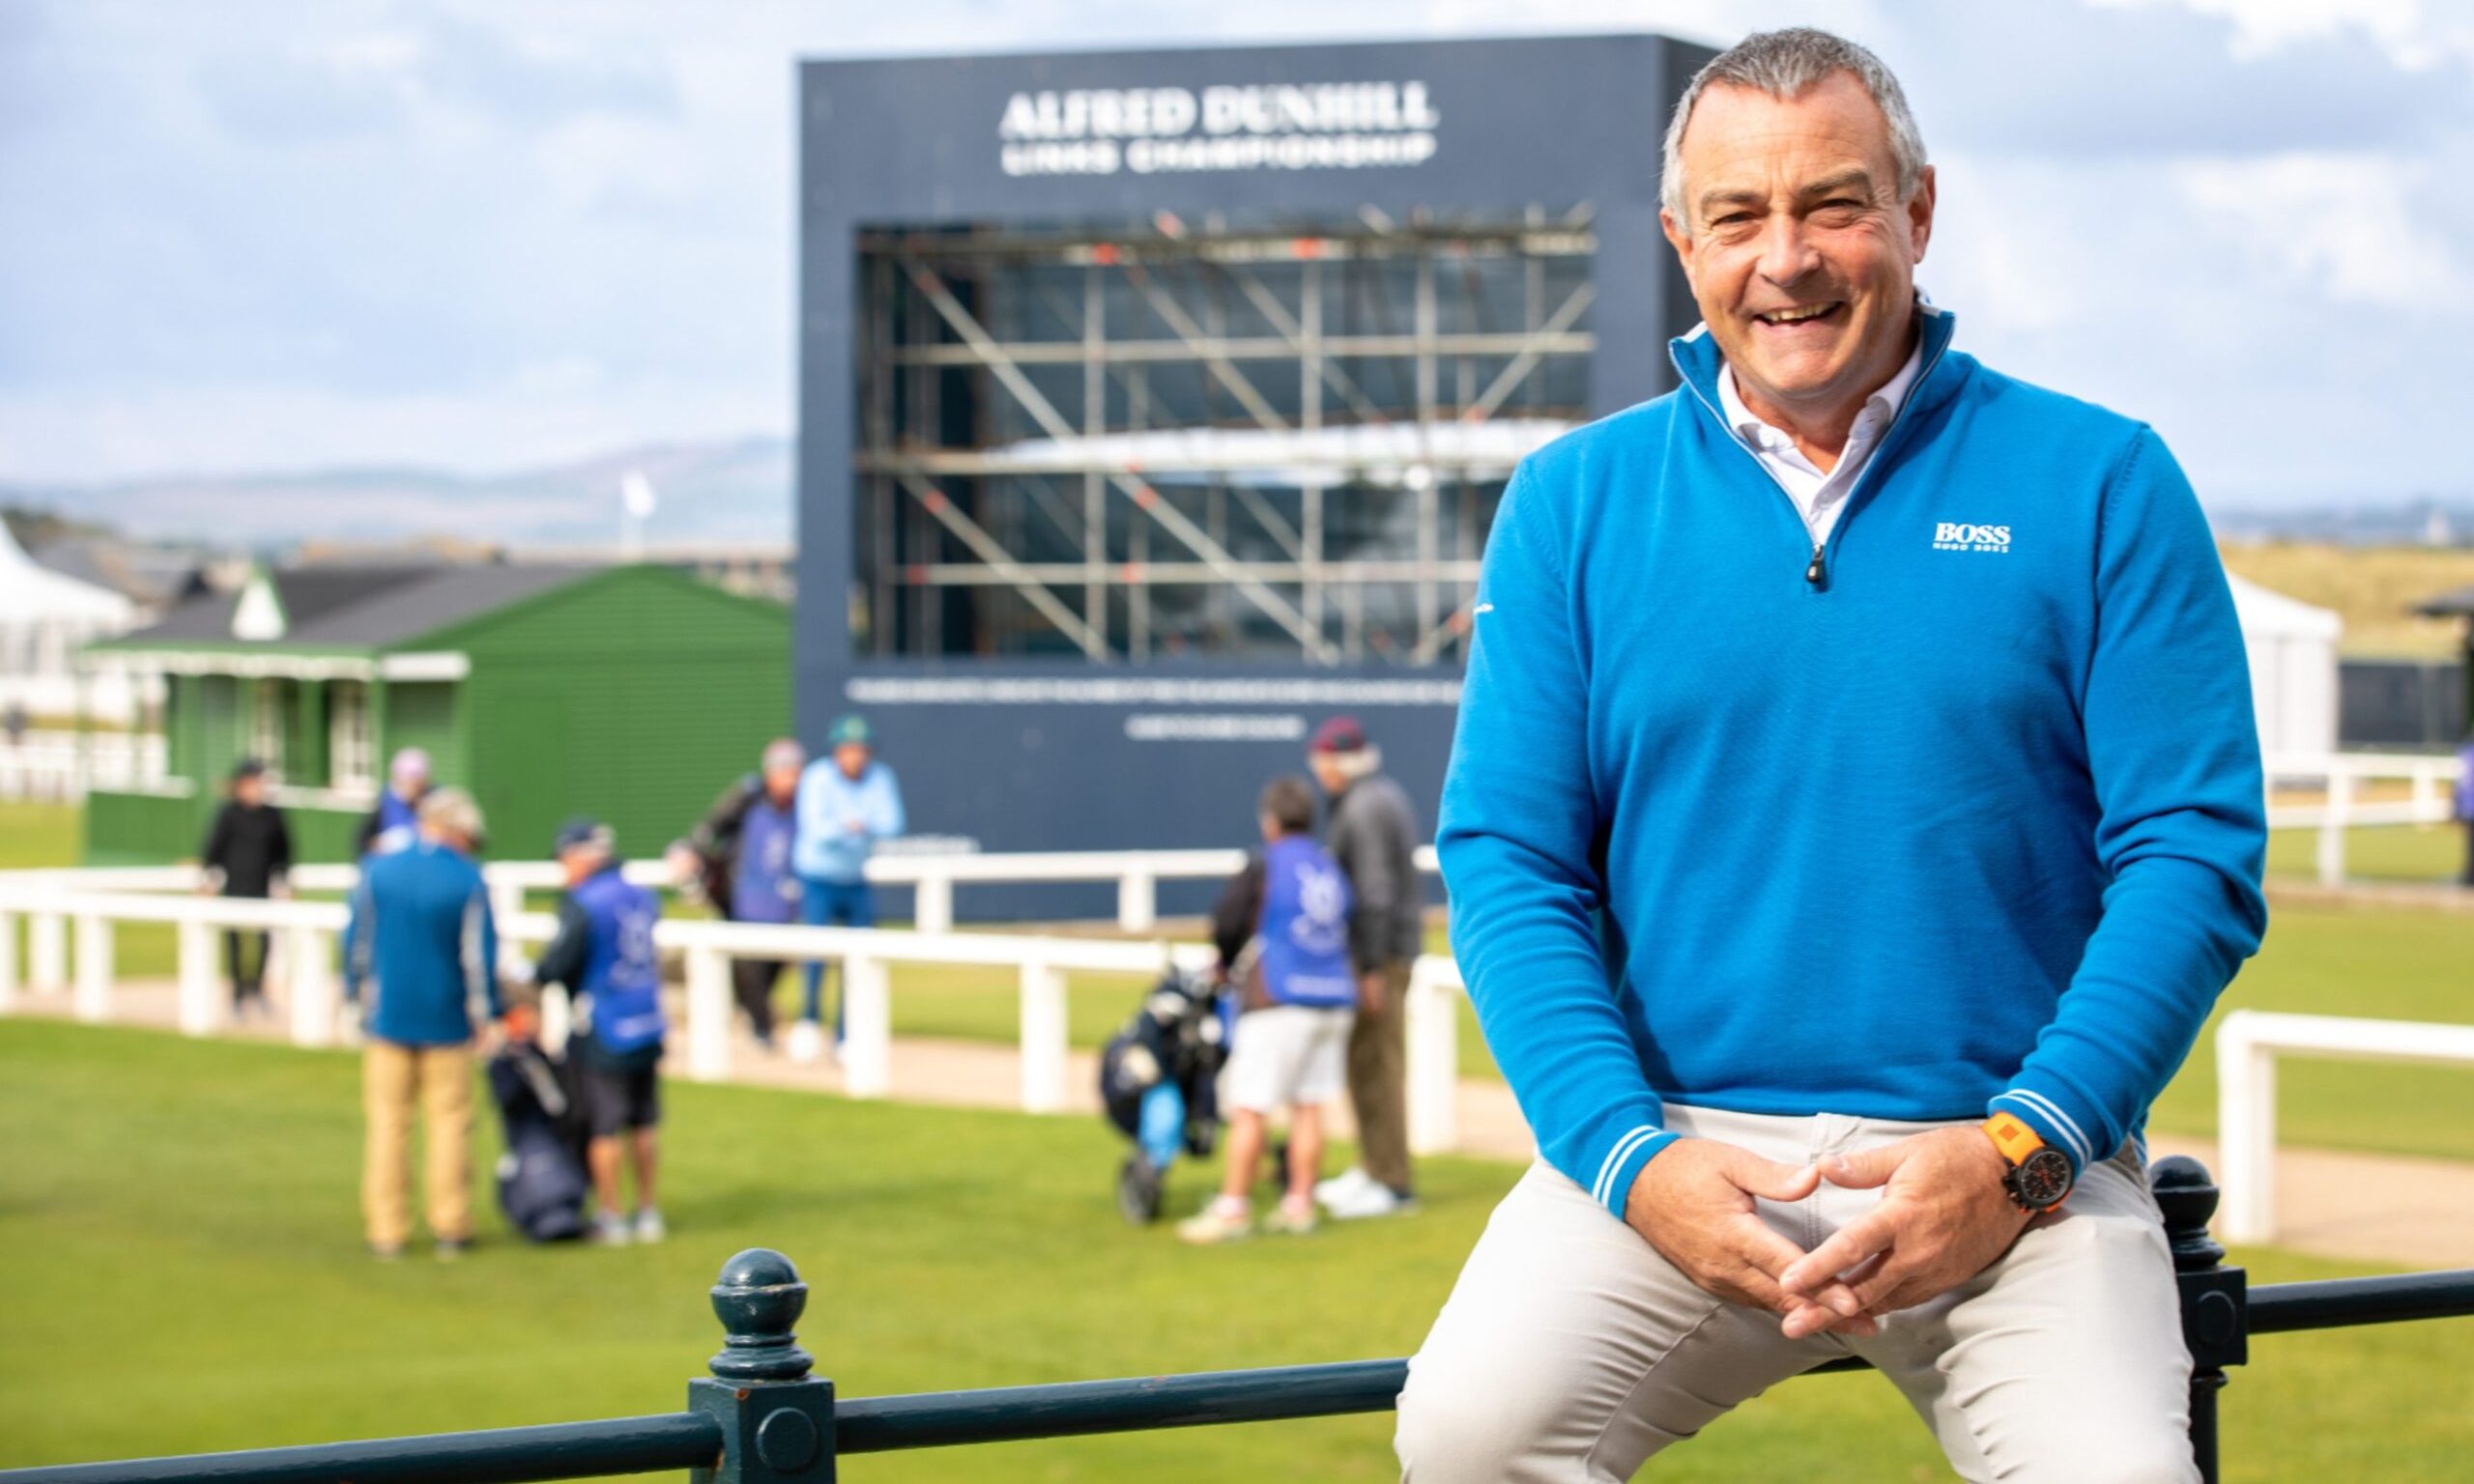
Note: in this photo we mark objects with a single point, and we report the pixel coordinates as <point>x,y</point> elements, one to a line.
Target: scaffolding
<point>1277,440</point>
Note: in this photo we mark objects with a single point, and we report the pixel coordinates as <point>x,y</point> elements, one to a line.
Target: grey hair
<point>452,812</point>
<point>1783,63</point>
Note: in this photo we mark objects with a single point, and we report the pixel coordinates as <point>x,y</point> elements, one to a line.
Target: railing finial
<point>759,1298</point>
<point>2186,1193</point>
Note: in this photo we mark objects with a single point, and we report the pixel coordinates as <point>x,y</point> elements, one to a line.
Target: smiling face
<point>1800,255</point>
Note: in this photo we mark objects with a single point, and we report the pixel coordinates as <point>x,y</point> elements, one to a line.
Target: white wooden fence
<point>92,903</point>
<point>46,763</point>
<point>2248,1043</point>
<point>2342,774</point>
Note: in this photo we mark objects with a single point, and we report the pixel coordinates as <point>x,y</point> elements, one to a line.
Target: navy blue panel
<point>1554,122</point>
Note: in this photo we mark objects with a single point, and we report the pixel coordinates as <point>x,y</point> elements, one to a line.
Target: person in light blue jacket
<point>848,800</point>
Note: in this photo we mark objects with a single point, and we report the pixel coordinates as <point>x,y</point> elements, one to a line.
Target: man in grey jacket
<point>1371,829</point>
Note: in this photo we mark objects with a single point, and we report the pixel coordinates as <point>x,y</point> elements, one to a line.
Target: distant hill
<point>729,493</point>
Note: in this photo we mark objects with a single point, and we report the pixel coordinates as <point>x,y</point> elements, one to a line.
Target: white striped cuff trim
<point>1615,1158</point>
<point>2045,1106</point>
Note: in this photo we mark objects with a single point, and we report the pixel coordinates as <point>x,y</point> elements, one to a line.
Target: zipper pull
<point>1814,572</point>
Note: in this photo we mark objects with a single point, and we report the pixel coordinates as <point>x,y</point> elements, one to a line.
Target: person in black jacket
<point>248,853</point>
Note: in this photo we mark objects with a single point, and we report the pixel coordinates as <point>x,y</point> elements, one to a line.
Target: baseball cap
<point>1340,734</point>
<point>247,767</point>
<point>577,834</point>
<point>851,728</point>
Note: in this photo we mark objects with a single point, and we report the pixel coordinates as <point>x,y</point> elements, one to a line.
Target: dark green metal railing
<point>762,1417</point>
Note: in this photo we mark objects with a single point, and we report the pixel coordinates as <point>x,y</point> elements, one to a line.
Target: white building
<point>2293,669</point>
<point>45,617</point>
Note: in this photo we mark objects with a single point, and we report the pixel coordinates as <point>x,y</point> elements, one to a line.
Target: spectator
<point>2465,805</point>
<point>421,939</point>
<point>847,802</point>
<point>393,824</point>
<point>741,852</point>
<point>247,854</point>
<point>1372,832</point>
<point>15,722</point>
<point>603,952</point>
<point>1296,997</point>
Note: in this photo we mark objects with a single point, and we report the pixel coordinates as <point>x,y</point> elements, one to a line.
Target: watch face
<point>2042,1178</point>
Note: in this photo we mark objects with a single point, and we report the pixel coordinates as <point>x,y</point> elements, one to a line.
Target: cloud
<point>275,234</point>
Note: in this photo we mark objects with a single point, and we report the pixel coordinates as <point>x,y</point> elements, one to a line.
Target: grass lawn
<point>180,1272</point>
<point>2382,964</point>
<point>2419,853</point>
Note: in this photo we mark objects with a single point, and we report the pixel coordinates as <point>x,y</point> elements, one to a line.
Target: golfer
<point>1855,811</point>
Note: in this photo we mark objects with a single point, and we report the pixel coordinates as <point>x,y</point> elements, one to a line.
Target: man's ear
<point>1919,211</point>
<point>1678,238</point>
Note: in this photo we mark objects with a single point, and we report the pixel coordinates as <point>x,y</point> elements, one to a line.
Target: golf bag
<point>542,1179</point>
<point>1158,1086</point>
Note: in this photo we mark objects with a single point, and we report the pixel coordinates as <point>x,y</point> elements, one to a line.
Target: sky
<point>261,236</point>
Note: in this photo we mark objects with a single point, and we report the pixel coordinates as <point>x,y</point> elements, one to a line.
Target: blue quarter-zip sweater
<point>1962,812</point>
<point>420,929</point>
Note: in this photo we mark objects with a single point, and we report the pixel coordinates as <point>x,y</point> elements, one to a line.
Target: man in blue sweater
<point>421,956</point>
<point>1854,811</point>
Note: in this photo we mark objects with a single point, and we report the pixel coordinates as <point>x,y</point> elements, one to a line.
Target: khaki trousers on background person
<point>439,1078</point>
<point>1378,1082</point>
<point>1571,1351</point>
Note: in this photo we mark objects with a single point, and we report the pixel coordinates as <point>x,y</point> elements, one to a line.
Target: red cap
<point>1340,734</point>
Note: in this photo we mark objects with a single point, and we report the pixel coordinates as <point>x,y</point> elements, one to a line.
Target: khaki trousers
<point>1378,1080</point>
<point>441,1078</point>
<point>1571,1351</point>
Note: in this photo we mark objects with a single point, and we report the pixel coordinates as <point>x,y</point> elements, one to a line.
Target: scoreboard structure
<point>1155,404</point>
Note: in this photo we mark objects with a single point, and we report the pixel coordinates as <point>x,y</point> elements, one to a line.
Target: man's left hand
<point>1944,1217</point>
<point>1369,992</point>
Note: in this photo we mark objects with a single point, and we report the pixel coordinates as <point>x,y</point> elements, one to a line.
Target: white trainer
<point>610,1230</point>
<point>1216,1222</point>
<point>1370,1200</point>
<point>806,1041</point>
<point>648,1225</point>
<point>1344,1185</point>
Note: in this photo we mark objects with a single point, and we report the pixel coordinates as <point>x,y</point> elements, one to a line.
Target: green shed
<point>629,692</point>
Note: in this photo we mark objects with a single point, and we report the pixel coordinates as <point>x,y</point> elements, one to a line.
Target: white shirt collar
<point>1879,408</point>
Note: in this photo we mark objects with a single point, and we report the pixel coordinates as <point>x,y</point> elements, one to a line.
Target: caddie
<point>1855,811</point>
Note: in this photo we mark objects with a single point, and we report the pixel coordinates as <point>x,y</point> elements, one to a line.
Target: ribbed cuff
<point>2045,1109</point>
<point>1623,1164</point>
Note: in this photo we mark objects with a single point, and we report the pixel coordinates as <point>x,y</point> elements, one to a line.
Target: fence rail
<point>764,1417</point>
<point>2248,1045</point>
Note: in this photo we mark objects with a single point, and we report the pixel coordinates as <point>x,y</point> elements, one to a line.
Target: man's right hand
<point>1694,1204</point>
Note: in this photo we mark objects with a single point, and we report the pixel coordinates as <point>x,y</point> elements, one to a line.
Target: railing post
<point>2215,1298</point>
<point>47,953</point>
<point>1044,1037</point>
<point>8,963</point>
<point>776,1417</point>
<point>708,1013</point>
<point>2246,1129</point>
<point>1138,899</point>
<point>313,987</point>
<point>2332,825</point>
<point>932,905</point>
<point>94,1002</point>
<point>201,1011</point>
<point>867,1027</point>
<point>1434,1063</point>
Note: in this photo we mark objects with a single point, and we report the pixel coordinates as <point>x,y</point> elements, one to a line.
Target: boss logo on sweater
<point>1948,536</point>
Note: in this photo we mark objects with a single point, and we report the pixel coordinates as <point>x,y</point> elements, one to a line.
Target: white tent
<point>45,617</point>
<point>2293,669</point>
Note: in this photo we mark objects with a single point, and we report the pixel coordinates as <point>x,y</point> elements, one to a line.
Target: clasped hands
<point>1944,1217</point>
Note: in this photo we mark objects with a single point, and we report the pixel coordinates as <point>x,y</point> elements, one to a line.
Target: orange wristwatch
<point>2038,1178</point>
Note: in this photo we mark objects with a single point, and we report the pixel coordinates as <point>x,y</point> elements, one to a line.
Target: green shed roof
<point>357,608</point>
